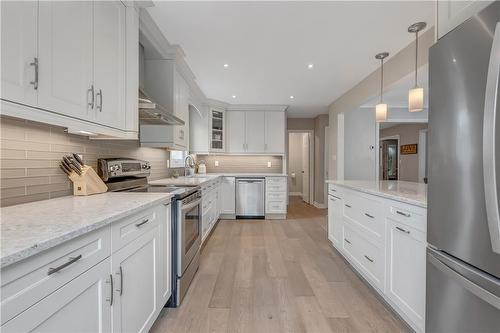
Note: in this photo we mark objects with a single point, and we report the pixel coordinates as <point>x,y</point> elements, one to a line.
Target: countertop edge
<point>37,248</point>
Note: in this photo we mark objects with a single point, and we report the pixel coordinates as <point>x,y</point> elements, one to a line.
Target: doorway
<point>300,165</point>
<point>389,158</point>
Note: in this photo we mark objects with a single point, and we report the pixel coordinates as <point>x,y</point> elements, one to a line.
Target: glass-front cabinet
<point>217,129</point>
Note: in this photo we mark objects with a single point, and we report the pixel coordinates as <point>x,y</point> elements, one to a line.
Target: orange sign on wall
<point>409,149</point>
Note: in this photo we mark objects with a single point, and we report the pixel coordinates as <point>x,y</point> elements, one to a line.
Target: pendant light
<point>381,108</point>
<point>416,94</point>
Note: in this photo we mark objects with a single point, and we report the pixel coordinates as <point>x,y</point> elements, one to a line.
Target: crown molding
<point>257,107</point>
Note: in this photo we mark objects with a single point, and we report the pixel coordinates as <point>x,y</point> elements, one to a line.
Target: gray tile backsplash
<point>30,154</point>
<point>242,163</point>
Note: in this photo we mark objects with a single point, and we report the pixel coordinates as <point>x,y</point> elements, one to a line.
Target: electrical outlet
<point>268,164</point>
<point>216,163</point>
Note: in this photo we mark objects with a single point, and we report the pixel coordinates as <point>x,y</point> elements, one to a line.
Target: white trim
<point>256,107</point>
<point>311,158</point>
<point>422,153</point>
<point>391,137</point>
<point>326,162</point>
<point>295,194</point>
<point>319,205</point>
<point>339,159</point>
<point>405,120</point>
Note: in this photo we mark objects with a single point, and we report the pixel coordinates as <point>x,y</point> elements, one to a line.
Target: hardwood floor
<point>276,276</point>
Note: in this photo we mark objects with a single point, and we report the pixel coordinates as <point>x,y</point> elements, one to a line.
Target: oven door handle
<point>190,205</point>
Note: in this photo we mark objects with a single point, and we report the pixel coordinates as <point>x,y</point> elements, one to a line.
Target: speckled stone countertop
<point>407,192</point>
<point>200,179</point>
<point>31,228</point>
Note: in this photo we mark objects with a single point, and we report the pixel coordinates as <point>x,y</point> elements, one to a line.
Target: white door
<point>18,49</point>
<point>134,270</point>
<point>65,57</point>
<point>82,305</point>
<point>406,265</point>
<point>305,168</point>
<point>236,131</point>
<point>228,195</point>
<point>109,63</point>
<point>255,131</point>
<point>275,132</point>
<point>165,256</point>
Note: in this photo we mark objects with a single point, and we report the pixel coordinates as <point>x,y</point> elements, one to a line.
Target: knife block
<point>87,183</point>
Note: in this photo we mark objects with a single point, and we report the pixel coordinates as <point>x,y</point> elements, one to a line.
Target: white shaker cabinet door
<point>18,48</point>
<point>275,132</point>
<point>228,195</point>
<point>65,57</point>
<point>236,131</point>
<point>82,305</point>
<point>109,63</point>
<point>134,270</point>
<point>255,132</point>
<point>165,255</point>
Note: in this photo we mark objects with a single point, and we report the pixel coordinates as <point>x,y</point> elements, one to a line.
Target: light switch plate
<point>216,163</point>
<point>268,164</point>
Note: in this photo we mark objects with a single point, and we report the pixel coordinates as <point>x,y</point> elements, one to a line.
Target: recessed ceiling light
<point>234,96</point>
<point>226,65</point>
<point>292,97</point>
<point>310,66</point>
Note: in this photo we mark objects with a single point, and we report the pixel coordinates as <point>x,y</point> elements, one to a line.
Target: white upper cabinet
<point>451,13</point>
<point>65,57</point>
<point>109,62</point>
<point>255,131</point>
<point>19,27</point>
<point>198,130</point>
<point>236,140</point>
<point>217,130</point>
<point>275,132</point>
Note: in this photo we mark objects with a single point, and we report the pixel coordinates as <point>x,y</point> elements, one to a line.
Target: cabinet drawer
<point>335,191</point>
<point>130,228</point>
<point>29,281</point>
<point>366,256</point>
<point>274,196</point>
<point>275,180</point>
<point>276,206</point>
<point>365,212</point>
<point>413,216</point>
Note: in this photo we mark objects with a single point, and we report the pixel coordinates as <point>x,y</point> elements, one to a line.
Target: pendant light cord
<point>381,79</point>
<point>416,58</point>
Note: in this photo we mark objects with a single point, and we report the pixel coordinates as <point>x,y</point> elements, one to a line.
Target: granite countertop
<point>199,179</point>
<point>28,229</point>
<point>407,192</point>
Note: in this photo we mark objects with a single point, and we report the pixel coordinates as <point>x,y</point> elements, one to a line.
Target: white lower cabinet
<point>210,207</point>
<point>385,241</point>
<point>82,305</point>
<point>276,197</point>
<point>228,195</point>
<point>406,266</point>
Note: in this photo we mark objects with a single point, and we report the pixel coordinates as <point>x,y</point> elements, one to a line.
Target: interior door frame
<point>311,159</point>
<point>391,137</point>
<point>422,153</point>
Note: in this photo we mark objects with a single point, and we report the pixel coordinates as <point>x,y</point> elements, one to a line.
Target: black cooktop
<point>180,192</point>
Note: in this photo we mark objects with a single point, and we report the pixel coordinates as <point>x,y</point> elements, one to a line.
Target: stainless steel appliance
<point>463,256</point>
<point>131,176</point>
<point>250,197</point>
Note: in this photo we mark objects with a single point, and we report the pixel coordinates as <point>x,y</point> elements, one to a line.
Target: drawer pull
<point>347,241</point>
<point>370,216</point>
<point>138,225</point>
<point>403,230</point>
<point>403,213</point>
<point>121,281</point>
<point>348,206</point>
<point>110,299</point>
<point>368,258</point>
<point>71,260</point>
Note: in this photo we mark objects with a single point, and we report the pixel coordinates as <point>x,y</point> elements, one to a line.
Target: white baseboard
<point>319,205</point>
<point>295,194</point>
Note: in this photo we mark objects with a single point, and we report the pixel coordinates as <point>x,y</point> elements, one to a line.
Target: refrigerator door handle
<point>483,294</point>
<point>489,149</point>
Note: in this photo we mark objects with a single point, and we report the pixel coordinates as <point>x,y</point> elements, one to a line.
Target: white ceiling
<point>268,46</point>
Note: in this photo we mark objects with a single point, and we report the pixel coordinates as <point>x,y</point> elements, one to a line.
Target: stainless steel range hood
<point>152,113</point>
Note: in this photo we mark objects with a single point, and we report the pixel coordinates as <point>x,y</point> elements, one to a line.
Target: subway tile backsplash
<point>242,163</point>
<point>31,152</point>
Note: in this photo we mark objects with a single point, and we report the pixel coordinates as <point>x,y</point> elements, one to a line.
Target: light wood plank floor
<point>276,276</point>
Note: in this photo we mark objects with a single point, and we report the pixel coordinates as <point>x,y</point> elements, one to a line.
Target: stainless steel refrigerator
<point>463,256</point>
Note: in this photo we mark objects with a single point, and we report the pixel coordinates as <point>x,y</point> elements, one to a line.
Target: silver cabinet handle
<point>92,100</point>
<point>35,81</point>
<point>370,216</point>
<point>121,281</point>
<point>142,223</point>
<point>347,241</point>
<point>348,206</point>
<point>71,260</point>
<point>99,105</point>
<point>368,258</point>
<point>403,213</point>
<point>110,299</point>
<point>403,230</point>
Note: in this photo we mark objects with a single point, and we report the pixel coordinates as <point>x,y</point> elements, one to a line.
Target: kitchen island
<point>380,228</point>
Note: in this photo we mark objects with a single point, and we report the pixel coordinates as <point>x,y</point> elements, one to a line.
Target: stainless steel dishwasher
<point>250,198</point>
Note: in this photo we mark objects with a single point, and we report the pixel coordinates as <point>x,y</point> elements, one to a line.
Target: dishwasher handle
<point>250,180</point>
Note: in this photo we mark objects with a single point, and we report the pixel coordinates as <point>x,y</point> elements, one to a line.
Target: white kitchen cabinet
<point>276,197</point>
<point>236,131</point>
<point>406,266</point>
<point>217,130</point>
<point>275,132</point>
<point>335,212</point>
<point>228,196</point>
<point>132,69</point>
<point>19,23</point>
<point>165,256</point>
<point>451,13</point>
<point>181,110</point>
<point>255,131</point>
<point>199,136</point>
<point>81,305</point>
<point>134,271</point>
<point>65,58</point>
<point>109,63</point>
